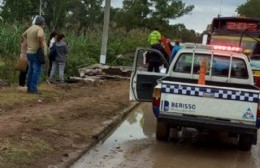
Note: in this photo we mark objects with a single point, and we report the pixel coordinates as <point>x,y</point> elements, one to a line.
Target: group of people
<point>35,49</point>
<point>153,58</point>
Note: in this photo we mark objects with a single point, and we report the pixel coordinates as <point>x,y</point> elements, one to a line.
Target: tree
<point>150,13</point>
<point>134,14</point>
<point>181,33</point>
<point>249,9</point>
<point>14,11</point>
<point>22,11</point>
<point>55,13</point>
<point>86,13</point>
<point>170,9</point>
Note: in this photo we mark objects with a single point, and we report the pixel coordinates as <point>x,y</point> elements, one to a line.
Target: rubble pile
<point>100,72</point>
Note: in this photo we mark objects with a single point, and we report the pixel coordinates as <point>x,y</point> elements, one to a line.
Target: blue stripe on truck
<point>209,92</point>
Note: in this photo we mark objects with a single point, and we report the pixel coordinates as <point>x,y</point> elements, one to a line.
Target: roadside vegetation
<point>84,48</point>
<point>81,22</point>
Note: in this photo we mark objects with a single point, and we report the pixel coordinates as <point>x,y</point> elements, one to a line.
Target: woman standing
<point>60,59</point>
<point>23,73</point>
<point>52,40</point>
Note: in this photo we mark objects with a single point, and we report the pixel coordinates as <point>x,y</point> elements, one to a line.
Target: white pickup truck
<point>228,102</point>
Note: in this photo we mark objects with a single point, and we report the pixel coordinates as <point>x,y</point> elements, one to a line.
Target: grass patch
<point>22,152</point>
<point>83,133</point>
<point>11,97</point>
<point>45,121</point>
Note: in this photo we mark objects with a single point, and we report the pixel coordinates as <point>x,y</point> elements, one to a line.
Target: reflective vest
<point>154,37</point>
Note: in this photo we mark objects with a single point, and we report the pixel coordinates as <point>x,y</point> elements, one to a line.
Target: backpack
<point>53,52</point>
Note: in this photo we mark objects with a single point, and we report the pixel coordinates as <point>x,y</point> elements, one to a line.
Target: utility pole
<point>40,11</point>
<point>105,32</point>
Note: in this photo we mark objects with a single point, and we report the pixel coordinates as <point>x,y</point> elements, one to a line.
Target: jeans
<point>34,74</point>
<point>60,66</point>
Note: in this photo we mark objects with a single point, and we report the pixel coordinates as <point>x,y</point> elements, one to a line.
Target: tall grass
<point>9,50</point>
<point>84,48</point>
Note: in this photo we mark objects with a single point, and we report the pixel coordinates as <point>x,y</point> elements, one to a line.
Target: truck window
<point>150,61</point>
<point>239,69</point>
<point>183,63</point>
<point>142,63</point>
<point>197,62</point>
<point>220,66</point>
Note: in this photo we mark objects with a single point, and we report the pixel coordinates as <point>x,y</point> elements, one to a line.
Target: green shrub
<point>84,49</point>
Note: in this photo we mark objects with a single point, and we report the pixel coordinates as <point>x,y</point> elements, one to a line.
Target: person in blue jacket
<point>176,48</point>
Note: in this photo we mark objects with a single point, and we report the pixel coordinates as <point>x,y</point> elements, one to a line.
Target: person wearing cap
<point>36,44</point>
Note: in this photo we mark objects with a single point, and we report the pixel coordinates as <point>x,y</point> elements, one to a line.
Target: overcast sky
<point>203,13</point>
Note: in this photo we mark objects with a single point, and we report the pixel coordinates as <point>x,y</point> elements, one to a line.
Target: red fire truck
<point>241,34</point>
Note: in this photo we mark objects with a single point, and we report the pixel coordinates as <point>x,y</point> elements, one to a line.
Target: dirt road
<point>133,145</point>
<point>44,130</point>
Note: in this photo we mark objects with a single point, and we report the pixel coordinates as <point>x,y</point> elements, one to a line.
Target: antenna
<point>220,10</point>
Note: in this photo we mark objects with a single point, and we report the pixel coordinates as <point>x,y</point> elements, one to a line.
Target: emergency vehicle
<point>227,102</point>
<point>242,32</point>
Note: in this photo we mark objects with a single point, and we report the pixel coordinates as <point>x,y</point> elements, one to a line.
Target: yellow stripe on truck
<point>256,73</point>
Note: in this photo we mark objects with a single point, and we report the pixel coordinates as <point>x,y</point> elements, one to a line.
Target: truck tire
<point>162,131</point>
<point>245,142</point>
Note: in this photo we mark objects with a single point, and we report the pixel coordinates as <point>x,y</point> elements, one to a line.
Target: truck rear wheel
<point>162,131</point>
<point>245,142</point>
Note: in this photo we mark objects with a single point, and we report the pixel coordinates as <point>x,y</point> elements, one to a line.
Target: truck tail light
<point>258,115</point>
<point>257,81</point>
<point>156,97</point>
<point>156,101</point>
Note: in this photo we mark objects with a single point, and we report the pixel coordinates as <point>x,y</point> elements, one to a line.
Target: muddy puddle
<point>133,145</point>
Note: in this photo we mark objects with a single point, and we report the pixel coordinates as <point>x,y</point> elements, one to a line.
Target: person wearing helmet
<point>36,52</point>
<point>154,37</point>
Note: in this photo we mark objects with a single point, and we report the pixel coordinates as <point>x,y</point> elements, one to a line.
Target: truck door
<point>143,81</point>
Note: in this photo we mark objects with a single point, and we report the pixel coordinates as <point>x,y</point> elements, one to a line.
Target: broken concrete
<point>99,72</point>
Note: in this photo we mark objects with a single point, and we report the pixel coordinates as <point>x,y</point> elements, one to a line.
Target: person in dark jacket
<point>61,48</point>
<point>154,59</point>
<point>52,40</point>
